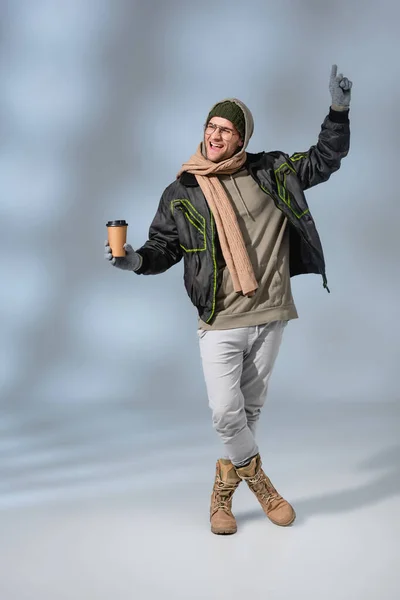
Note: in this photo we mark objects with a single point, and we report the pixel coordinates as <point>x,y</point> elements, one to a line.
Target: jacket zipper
<point>212,221</point>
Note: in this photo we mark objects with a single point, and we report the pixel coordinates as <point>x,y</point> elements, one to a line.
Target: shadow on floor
<point>371,493</point>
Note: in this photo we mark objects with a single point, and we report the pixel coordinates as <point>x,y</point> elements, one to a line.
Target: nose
<point>216,134</point>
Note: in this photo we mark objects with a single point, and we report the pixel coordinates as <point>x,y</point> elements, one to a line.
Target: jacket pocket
<point>191,226</point>
<point>286,177</point>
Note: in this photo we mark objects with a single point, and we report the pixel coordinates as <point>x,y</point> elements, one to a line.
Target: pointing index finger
<point>333,71</point>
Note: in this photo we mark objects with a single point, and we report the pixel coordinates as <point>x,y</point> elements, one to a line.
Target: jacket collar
<point>252,162</point>
<point>188,179</point>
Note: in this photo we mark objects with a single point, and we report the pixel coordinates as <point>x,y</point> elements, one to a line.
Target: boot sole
<point>223,532</point>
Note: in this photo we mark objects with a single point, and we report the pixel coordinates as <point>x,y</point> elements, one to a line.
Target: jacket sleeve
<point>162,250</point>
<point>323,159</point>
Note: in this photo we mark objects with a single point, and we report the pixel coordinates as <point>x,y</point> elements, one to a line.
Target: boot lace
<point>223,493</point>
<point>263,488</point>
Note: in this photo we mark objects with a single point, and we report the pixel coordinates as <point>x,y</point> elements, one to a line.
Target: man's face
<point>221,144</point>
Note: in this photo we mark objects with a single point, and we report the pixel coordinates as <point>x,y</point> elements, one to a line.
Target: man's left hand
<point>340,89</point>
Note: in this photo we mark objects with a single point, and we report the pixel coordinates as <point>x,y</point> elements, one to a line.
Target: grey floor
<point>101,502</point>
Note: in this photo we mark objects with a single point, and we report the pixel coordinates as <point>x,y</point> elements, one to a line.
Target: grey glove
<point>131,262</point>
<point>340,89</point>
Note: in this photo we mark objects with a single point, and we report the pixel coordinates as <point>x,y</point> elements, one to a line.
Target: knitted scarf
<point>230,237</point>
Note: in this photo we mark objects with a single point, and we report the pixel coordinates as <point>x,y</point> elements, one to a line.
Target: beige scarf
<point>230,237</point>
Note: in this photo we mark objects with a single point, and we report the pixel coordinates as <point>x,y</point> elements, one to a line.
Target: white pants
<point>237,365</point>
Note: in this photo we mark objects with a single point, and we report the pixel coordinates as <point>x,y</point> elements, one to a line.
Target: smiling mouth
<point>215,147</point>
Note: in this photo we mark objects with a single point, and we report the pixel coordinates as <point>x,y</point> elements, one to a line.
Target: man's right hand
<point>132,261</point>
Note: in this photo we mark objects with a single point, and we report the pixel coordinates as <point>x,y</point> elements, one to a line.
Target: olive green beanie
<point>231,111</point>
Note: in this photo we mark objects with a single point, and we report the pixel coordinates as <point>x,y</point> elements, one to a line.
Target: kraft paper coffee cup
<point>117,236</point>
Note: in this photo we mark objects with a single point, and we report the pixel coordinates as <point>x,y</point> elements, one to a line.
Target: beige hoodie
<point>265,233</point>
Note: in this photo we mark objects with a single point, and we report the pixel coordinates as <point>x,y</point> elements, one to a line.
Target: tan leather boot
<point>226,482</point>
<point>275,507</point>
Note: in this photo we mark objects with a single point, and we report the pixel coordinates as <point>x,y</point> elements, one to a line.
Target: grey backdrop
<point>107,452</point>
<point>101,102</point>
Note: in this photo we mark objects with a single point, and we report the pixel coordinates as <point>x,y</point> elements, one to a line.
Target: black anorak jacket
<point>184,227</point>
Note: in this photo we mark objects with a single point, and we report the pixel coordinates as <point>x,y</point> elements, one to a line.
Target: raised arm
<point>321,160</point>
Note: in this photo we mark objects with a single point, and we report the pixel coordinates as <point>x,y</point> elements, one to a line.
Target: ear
<point>241,142</point>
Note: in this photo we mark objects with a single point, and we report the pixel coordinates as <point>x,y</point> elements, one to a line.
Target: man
<point>243,227</point>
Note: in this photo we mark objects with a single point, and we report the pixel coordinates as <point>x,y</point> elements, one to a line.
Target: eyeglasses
<point>226,133</point>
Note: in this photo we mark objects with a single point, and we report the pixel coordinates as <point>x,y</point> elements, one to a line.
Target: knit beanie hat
<point>231,111</point>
